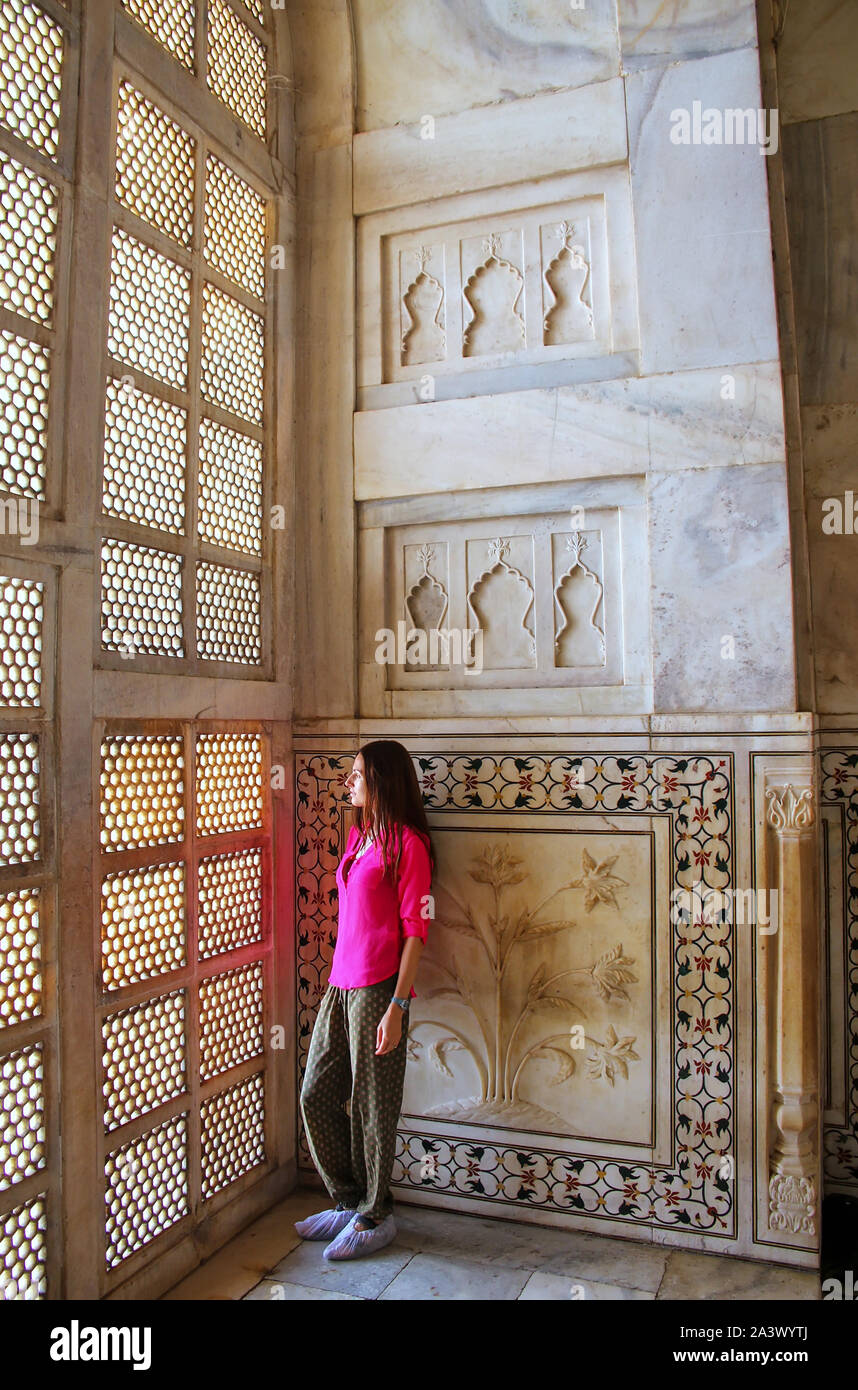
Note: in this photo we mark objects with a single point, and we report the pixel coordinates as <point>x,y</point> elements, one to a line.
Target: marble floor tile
<point>573,1254</point>
<point>234,1270</point>
<point>554,1287</point>
<point>690,1276</point>
<point>447,1255</point>
<point>430,1276</point>
<point>278,1291</point>
<point>367,1277</point>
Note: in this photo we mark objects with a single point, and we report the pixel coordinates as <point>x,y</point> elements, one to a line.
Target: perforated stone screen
<point>236,68</point>
<point>172,25</point>
<point>21,618</point>
<point>185,399</point>
<point>154,165</point>
<point>31,64</point>
<point>185,951</point>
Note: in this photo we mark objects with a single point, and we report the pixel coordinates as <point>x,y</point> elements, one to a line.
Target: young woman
<point>358,1048</point>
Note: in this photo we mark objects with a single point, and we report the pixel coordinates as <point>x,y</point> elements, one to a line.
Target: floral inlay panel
<point>697,1189</point>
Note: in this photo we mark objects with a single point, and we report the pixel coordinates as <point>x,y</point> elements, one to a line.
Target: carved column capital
<point>790,811</point>
<point>792,1203</point>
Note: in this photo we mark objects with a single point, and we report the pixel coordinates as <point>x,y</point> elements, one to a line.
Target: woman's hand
<point>389,1031</point>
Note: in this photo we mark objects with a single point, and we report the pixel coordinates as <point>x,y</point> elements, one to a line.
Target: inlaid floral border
<point>697,792</point>
<point>839,787</point>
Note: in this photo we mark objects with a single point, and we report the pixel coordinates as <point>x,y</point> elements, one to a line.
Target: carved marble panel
<point>552,914</point>
<point>535,1012</point>
<point>501,599</point>
<point>482,603</point>
<point>579,633</point>
<point>493,291</point>
<point>567,296</point>
<point>465,607</point>
<point>461,285</point>
<point>423,314</point>
<point>426,603</point>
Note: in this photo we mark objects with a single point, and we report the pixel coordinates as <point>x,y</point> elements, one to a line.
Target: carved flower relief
<point>611,974</point>
<point>503,1052</point>
<point>496,866</point>
<point>598,882</point>
<point>611,1057</point>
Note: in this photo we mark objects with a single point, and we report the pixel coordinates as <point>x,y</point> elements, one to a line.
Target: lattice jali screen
<point>19,782</point>
<point>144,458</point>
<point>21,957</point>
<point>230,1019</point>
<point>28,240</point>
<point>187,433</point>
<point>227,613</point>
<point>186,973</point>
<point>230,485</point>
<point>154,165</point>
<point>233,1133</point>
<point>150,300</point>
<point>29,1146</point>
<point>35,164</point>
<point>236,65</point>
<point>172,25</point>
<point>141,599</point>
<point>230,901</point>
<point>23,1237</point>
<point>146,1188</point>
<point>232,51</point>
<point>232,357</point>
<point>143,924</point>
<point>21,618</point>
<point>28,1120</point>
<point>234,228</point>
<point>31,60</point>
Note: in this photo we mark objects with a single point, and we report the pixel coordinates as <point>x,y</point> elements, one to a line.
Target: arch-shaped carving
<point>492,294</point>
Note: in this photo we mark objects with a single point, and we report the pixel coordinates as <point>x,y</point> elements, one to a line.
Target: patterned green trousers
<point>354,1151</point>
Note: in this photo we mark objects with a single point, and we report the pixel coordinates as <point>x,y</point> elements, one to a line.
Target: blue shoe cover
<point>350,1244</point>
<point>324,1224</point>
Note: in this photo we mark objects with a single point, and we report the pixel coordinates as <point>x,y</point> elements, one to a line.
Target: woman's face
<point>356,783</point>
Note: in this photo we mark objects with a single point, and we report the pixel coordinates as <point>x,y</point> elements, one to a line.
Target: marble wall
<point>617,317</point>
<point>816,60</point>
<point>590,1045</point>
<point>555,426</point>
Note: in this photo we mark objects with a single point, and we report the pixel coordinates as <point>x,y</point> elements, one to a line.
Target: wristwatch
<point>403,1003</point>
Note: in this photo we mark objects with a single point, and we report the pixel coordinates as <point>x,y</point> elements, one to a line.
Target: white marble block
<point>702,232</point>
<point>719,540</point>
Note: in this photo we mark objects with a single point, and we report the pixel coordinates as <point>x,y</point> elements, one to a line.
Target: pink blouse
<point>376,915</point>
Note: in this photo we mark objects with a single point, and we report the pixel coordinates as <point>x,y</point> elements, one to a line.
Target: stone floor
<point>448,1255</point>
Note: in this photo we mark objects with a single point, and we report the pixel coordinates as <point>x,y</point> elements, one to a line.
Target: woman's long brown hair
<point>393,800</point>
